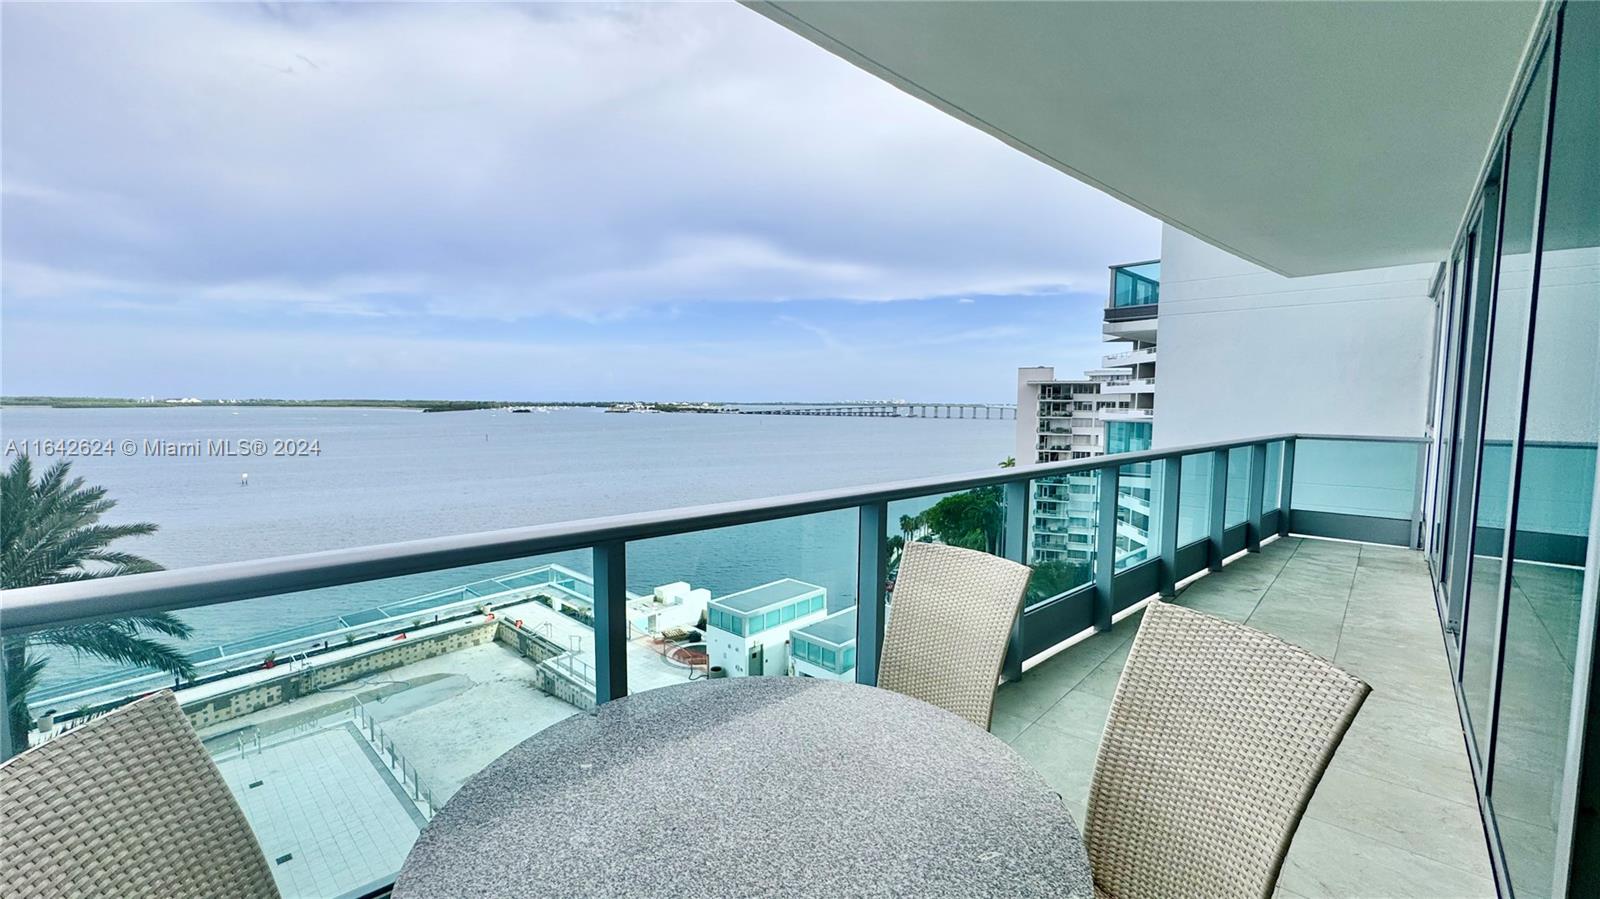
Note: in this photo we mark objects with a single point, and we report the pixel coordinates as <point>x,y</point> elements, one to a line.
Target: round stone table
<point>744,787</point>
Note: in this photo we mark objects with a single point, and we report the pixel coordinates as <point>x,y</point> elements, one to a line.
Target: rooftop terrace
<point>838,628</point>
<point>766,596</point>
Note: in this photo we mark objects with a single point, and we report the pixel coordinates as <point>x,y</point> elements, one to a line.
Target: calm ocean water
<point>386,475</point>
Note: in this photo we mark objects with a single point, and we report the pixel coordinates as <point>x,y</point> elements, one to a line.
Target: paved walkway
<point>1396,814</point>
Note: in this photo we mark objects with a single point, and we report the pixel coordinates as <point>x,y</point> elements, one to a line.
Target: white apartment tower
<point>1109,410</point>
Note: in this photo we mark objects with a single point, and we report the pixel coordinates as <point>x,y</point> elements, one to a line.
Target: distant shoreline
<point>93,402</point>
<point>98,402</point>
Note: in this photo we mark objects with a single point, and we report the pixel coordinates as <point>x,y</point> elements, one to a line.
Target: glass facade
<point>749,624</point>
<point>1127,436</point>
<point>835,659</point>
<point>1518,419</point>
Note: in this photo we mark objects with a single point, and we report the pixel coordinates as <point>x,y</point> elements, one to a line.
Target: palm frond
<point>117,644</point>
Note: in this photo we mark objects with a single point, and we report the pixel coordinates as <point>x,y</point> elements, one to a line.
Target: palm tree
<point>50,534</point>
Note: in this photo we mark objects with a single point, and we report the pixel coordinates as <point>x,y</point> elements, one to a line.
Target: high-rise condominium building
<point>1110,409</point>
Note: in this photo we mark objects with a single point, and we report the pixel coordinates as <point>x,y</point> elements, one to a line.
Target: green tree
<point>972,519</point>
<point>1055,578</point>
<point>50,533</point>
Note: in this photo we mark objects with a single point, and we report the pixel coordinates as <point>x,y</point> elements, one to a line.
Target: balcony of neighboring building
<point>1129,358</point>
<point>1134,301</point>
<point>1127,413</point>
<point>1129,386</point>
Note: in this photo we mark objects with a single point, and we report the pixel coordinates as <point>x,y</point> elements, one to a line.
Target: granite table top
<point>749,787</point>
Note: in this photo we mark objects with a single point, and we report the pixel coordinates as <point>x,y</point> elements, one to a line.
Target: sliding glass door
<point>1553,490</point>
<point>1514,511</point>
<point>1512,295</point>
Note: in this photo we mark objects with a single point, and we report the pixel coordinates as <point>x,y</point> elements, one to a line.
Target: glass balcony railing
<point>1136,285</point>
<point>381,678</point>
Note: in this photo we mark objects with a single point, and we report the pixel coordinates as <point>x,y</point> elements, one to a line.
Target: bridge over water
<point>893,410</point>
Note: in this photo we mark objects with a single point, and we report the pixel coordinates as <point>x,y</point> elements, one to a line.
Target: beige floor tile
<point>1445,831</point>
<point>1080,712</point>
<point>1329,861</point>
<point>1044,685</point>
<point>1103,680</point>
<point>1006,726</point>
<point>1065,760</point>
<point>1397,813</point>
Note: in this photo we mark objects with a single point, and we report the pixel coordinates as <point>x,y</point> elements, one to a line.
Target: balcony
<point>1135,284</point>
<point>1129,358</point>
<point>391,711</point>
<point>1129,386</point>
<point>1396,814</point>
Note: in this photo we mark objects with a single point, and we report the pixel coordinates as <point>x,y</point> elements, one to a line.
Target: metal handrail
<point>33,608</point>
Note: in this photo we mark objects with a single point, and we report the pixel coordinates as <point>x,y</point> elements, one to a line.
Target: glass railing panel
<point>1238,495</point>
<point>339,741</point>
<point>725,602</point>
<point>1375,479</point>
<point>1138,498</point>
<point>1272,497</point>
<point>1061,534</point>
<point>1194,498</point>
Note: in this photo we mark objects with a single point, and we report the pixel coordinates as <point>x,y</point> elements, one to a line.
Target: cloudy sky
<point>515,201</point>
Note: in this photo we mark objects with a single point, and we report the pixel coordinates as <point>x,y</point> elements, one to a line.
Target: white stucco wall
<point>1027,436</point>
<point>1245,352</point>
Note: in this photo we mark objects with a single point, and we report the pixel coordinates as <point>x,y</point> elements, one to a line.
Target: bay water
<point>387,475</point>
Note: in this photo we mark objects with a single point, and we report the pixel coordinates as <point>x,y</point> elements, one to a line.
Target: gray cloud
<point>500,161</point>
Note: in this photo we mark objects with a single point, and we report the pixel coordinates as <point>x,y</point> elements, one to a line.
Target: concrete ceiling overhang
<point>1308,137</point>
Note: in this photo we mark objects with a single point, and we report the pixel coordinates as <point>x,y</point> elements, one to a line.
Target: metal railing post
<point>1256,497</point>
<point>1286,492</point>
<point>1219,508</point>
<point>1105,540</point>
<point>872,574</point>
<point>1171,481</point>
<point>1419,490</point>
<point>610,621</point>
<point>1015,496</point>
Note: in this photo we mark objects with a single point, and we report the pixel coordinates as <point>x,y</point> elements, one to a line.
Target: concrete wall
<point>1027,451</point>
<point>546,677</point>
<point>1245,352</point>
<point>293,685</point>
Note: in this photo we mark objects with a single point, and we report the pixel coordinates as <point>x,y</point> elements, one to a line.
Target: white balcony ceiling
<point>1307,137</point>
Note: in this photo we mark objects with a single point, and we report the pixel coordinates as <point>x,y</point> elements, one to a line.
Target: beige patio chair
<point>128,806</point>
<point>1215,742</point>
<point>948,628</point>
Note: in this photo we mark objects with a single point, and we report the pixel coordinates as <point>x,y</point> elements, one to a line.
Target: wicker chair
<point>1215,742</point>
<point>129,806</point>
<point>947,633</point>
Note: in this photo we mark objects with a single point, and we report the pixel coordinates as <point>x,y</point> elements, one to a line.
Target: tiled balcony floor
<point>1395,815</point>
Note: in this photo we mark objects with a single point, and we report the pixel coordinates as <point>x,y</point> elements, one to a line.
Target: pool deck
<point>1396,815</point>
